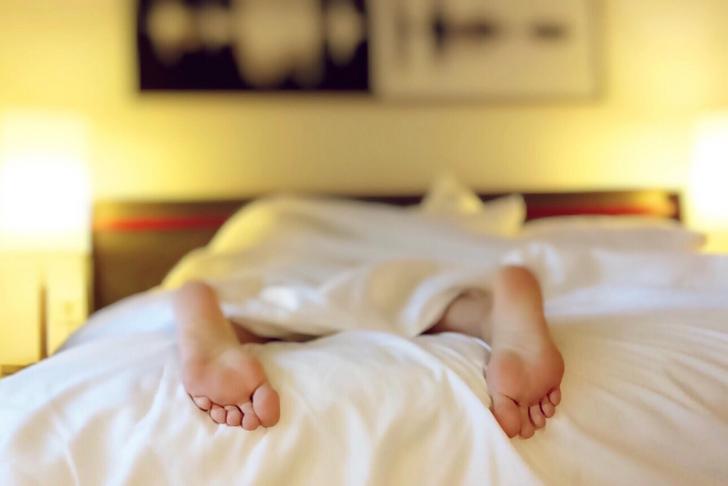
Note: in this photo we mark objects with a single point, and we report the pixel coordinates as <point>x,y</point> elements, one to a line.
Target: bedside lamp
<point>44,192</point>
<point>709,181</point>
<point>44,204</point>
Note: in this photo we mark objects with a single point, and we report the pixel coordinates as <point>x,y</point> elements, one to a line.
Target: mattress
<point>644,335</point>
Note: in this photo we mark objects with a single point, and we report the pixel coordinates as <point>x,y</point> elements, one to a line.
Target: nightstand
<point>43,298</point>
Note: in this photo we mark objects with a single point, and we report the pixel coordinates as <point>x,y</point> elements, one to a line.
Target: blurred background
<point>665,64</point>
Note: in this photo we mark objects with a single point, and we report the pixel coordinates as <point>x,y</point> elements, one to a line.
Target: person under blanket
<point>524,371</point>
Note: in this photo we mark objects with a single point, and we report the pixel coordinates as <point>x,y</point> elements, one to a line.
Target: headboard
<point>136,243</point>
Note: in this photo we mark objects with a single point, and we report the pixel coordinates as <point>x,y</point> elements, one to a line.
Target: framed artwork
<point>390,49</point>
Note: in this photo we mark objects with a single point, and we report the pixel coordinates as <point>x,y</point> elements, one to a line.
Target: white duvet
<point>644,336</point>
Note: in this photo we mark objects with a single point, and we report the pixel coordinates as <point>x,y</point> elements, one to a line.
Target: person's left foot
<point>222,377</point>
<point>229,384</point>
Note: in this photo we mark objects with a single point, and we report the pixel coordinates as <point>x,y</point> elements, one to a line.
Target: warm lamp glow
<point>709,181</point>
<point>710,174</point>
<point>44,191</point>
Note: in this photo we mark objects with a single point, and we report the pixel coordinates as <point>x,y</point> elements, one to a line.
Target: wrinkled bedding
<point>644,336</point>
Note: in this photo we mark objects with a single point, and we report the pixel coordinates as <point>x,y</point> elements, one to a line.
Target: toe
<point>547,408</point>
<point>250,419</point>
<point>507,414</point>
<point>527,429</point>
<point>203,403</point>
<point>218,414</point>
<point>537,418</point>
<point>555,396</point>
<point>266,405</point>
<point>234,416</point>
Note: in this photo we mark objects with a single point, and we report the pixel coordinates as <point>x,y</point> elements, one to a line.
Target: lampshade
<point>44,190</point>
<point>709,177</point>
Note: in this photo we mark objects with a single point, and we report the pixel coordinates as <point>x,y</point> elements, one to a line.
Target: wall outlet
<point>67,294</point>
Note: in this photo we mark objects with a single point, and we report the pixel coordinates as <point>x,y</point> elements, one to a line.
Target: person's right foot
<point>523,382</point>
<point>525,368</point>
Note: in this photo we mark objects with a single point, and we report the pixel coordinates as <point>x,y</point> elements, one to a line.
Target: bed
<point>640,317</point>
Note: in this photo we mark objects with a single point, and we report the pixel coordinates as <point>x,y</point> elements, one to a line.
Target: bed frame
<point>136,243</point>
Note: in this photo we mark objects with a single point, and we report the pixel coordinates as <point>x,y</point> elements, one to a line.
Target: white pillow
<point>614,232</point>
<point>453,202</point>
<point>447,204</point>
<point>447,195</point>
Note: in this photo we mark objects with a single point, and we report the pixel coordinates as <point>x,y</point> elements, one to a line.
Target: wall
<point>665,61</point>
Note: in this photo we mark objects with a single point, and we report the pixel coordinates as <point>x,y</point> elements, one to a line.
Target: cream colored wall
<point>665,61</point>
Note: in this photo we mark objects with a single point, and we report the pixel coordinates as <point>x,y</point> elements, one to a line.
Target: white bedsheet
<point>644,337</point>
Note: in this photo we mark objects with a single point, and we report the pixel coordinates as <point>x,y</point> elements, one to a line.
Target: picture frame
<point>386,49</point>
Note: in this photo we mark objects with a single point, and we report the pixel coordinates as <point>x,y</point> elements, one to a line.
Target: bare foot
<point>525,368</point>
<point>222,378</point>
<point>230,385</point>
<point>523,381</point>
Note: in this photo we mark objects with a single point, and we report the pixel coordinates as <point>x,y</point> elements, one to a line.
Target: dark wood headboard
<point>136,243</point>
